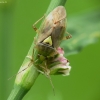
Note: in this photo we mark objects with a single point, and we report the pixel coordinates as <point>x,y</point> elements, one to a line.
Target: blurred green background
<point>16,37</point>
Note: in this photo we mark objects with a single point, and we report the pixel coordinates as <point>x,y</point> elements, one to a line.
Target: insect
<point>50,34</point>
<point>51,31</point>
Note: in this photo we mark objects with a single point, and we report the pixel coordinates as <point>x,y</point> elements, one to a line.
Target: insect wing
<point>57,15</point>
<point>46,28</point>
<point>54,26</point>
<point>59,25</point>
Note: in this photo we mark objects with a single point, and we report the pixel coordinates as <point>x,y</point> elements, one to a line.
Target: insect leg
<point>48,76</point>
<point>36,23</point>
<point>51,84</point>
<point>69,35</point>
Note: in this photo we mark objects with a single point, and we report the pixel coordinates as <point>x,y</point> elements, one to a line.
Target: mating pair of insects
<point>48,39</point>
<point>50,35</point>
<point>51,32</point>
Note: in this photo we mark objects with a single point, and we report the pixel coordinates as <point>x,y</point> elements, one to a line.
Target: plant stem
<point>20,90</point>
<point>55,3</point>
<point>26,79</point>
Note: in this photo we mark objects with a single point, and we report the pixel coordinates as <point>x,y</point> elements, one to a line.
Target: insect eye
<point>48,40</point>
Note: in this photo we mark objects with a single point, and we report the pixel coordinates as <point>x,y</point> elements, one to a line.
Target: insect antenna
<point>21,70</point>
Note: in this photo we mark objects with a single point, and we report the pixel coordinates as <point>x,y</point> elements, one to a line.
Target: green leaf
<point>85,30</point>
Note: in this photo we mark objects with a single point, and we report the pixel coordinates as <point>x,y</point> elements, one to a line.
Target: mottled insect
<point>50,35</point>
<point>51,32</point>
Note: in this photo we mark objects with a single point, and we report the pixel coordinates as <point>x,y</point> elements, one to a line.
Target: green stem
<point>23,85</point>
<point>26,78</point>
<point>54,4</point>
<point>17,93</point>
